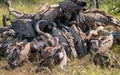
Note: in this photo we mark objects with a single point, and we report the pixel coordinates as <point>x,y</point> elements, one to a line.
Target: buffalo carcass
<point>48,29</point>
<point>24,27</point>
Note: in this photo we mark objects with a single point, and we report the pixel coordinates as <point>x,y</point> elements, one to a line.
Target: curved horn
<point>53,23</point>
<point>37,27</point>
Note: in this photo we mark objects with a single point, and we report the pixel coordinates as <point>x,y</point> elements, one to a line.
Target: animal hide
<point>24,27</point>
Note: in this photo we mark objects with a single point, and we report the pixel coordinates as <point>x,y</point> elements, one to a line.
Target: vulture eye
<point>110,18</point>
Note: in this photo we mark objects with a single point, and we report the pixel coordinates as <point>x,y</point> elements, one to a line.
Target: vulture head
<point>113,21</point>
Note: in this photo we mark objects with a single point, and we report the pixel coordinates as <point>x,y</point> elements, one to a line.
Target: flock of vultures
<point>56,33</point>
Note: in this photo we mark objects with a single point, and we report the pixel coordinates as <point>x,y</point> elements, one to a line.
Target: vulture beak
<point>65,44</point>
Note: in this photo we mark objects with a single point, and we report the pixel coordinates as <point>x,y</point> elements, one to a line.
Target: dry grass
<point>78,67</point>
